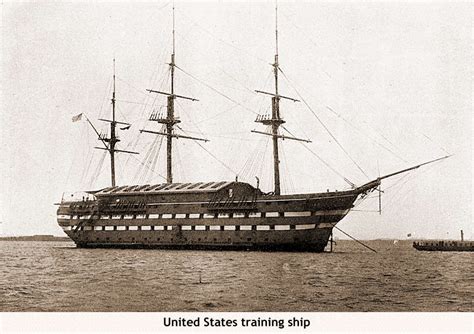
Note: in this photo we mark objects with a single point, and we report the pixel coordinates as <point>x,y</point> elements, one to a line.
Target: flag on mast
<point>77,118</point>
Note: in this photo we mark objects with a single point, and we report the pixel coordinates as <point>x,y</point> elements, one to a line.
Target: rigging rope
<point>98,169</point>
<point>215,90</point>
<point>217,114</point>
<point>217,159</point>
<point>131,86</point>
<point>179,163</point>
<point>414,173</point>
<point>321,122</point>
<point>397,194</point>
<point>224,42</point>
<point>85,172</point>
<point>77,147</point>
<point>321,159</point>
<point>191,43</point>
<point>287,181</point>
<point>152,161</point>
<point>329,166</point>
<point>141,163</point>
<point>260,172</point>
<point>178,104</point>
<point>325,72</point>
<point>156,154</point>
<point>212,155</point>
<point>304,33</point>
<point>132,102</point>
<point>361,132</point>
<point>105,98</point>
<point>441,147</point>
<point>149,161</point>
<point>250,168</point>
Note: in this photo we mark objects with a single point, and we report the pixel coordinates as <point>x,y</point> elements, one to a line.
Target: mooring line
<point>373,250</point>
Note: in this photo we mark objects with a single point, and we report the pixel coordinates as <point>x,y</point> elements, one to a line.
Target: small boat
<point>445,245</point>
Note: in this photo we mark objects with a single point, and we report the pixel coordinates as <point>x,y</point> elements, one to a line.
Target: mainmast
<point>170,121</point>
<point>113,138</point>
<point>275,121</point>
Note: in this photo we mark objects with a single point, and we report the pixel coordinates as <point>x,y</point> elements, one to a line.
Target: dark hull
<point>313,237</point>
<point>199,221</point>
<point>241,247</point>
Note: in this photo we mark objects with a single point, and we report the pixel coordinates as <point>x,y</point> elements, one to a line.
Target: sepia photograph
<point>236,156</point>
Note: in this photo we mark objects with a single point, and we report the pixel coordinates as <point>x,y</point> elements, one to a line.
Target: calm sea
<point>56,276</point>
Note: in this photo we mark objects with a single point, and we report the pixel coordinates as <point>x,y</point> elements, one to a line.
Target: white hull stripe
<point>291,214</point>
<point>326,225</point>
<point>203,227</point>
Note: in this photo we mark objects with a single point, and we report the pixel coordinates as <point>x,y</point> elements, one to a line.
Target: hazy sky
<point>391,81</point>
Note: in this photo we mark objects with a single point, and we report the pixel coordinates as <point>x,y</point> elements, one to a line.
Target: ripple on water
<point>51,276</point>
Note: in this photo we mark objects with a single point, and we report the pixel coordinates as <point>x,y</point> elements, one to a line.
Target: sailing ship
<point>206,215</point>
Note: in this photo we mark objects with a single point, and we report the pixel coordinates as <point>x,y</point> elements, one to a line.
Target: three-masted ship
<point>205,215</point>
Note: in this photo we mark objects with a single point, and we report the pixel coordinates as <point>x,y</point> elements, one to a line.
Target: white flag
<point>77,118</point>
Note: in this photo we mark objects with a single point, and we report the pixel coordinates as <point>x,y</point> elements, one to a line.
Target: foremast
<point>170,120</point>
<point>110,142</point>
<point>276,119</point>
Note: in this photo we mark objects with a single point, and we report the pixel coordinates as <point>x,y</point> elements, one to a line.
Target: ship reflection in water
<point>57,276</point>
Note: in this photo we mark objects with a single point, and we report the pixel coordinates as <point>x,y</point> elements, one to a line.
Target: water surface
<point>56,276</point>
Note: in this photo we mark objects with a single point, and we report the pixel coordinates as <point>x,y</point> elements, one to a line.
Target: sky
<point>390,81</point>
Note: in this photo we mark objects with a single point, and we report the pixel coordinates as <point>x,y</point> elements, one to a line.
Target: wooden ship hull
<point>444,246</point>
<point>221,215</point>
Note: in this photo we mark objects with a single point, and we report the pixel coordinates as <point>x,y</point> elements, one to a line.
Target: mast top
<point>276,32</point>
<point>173,31</point>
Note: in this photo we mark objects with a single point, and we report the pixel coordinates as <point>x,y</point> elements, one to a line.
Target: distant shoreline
<point>35,238</point>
